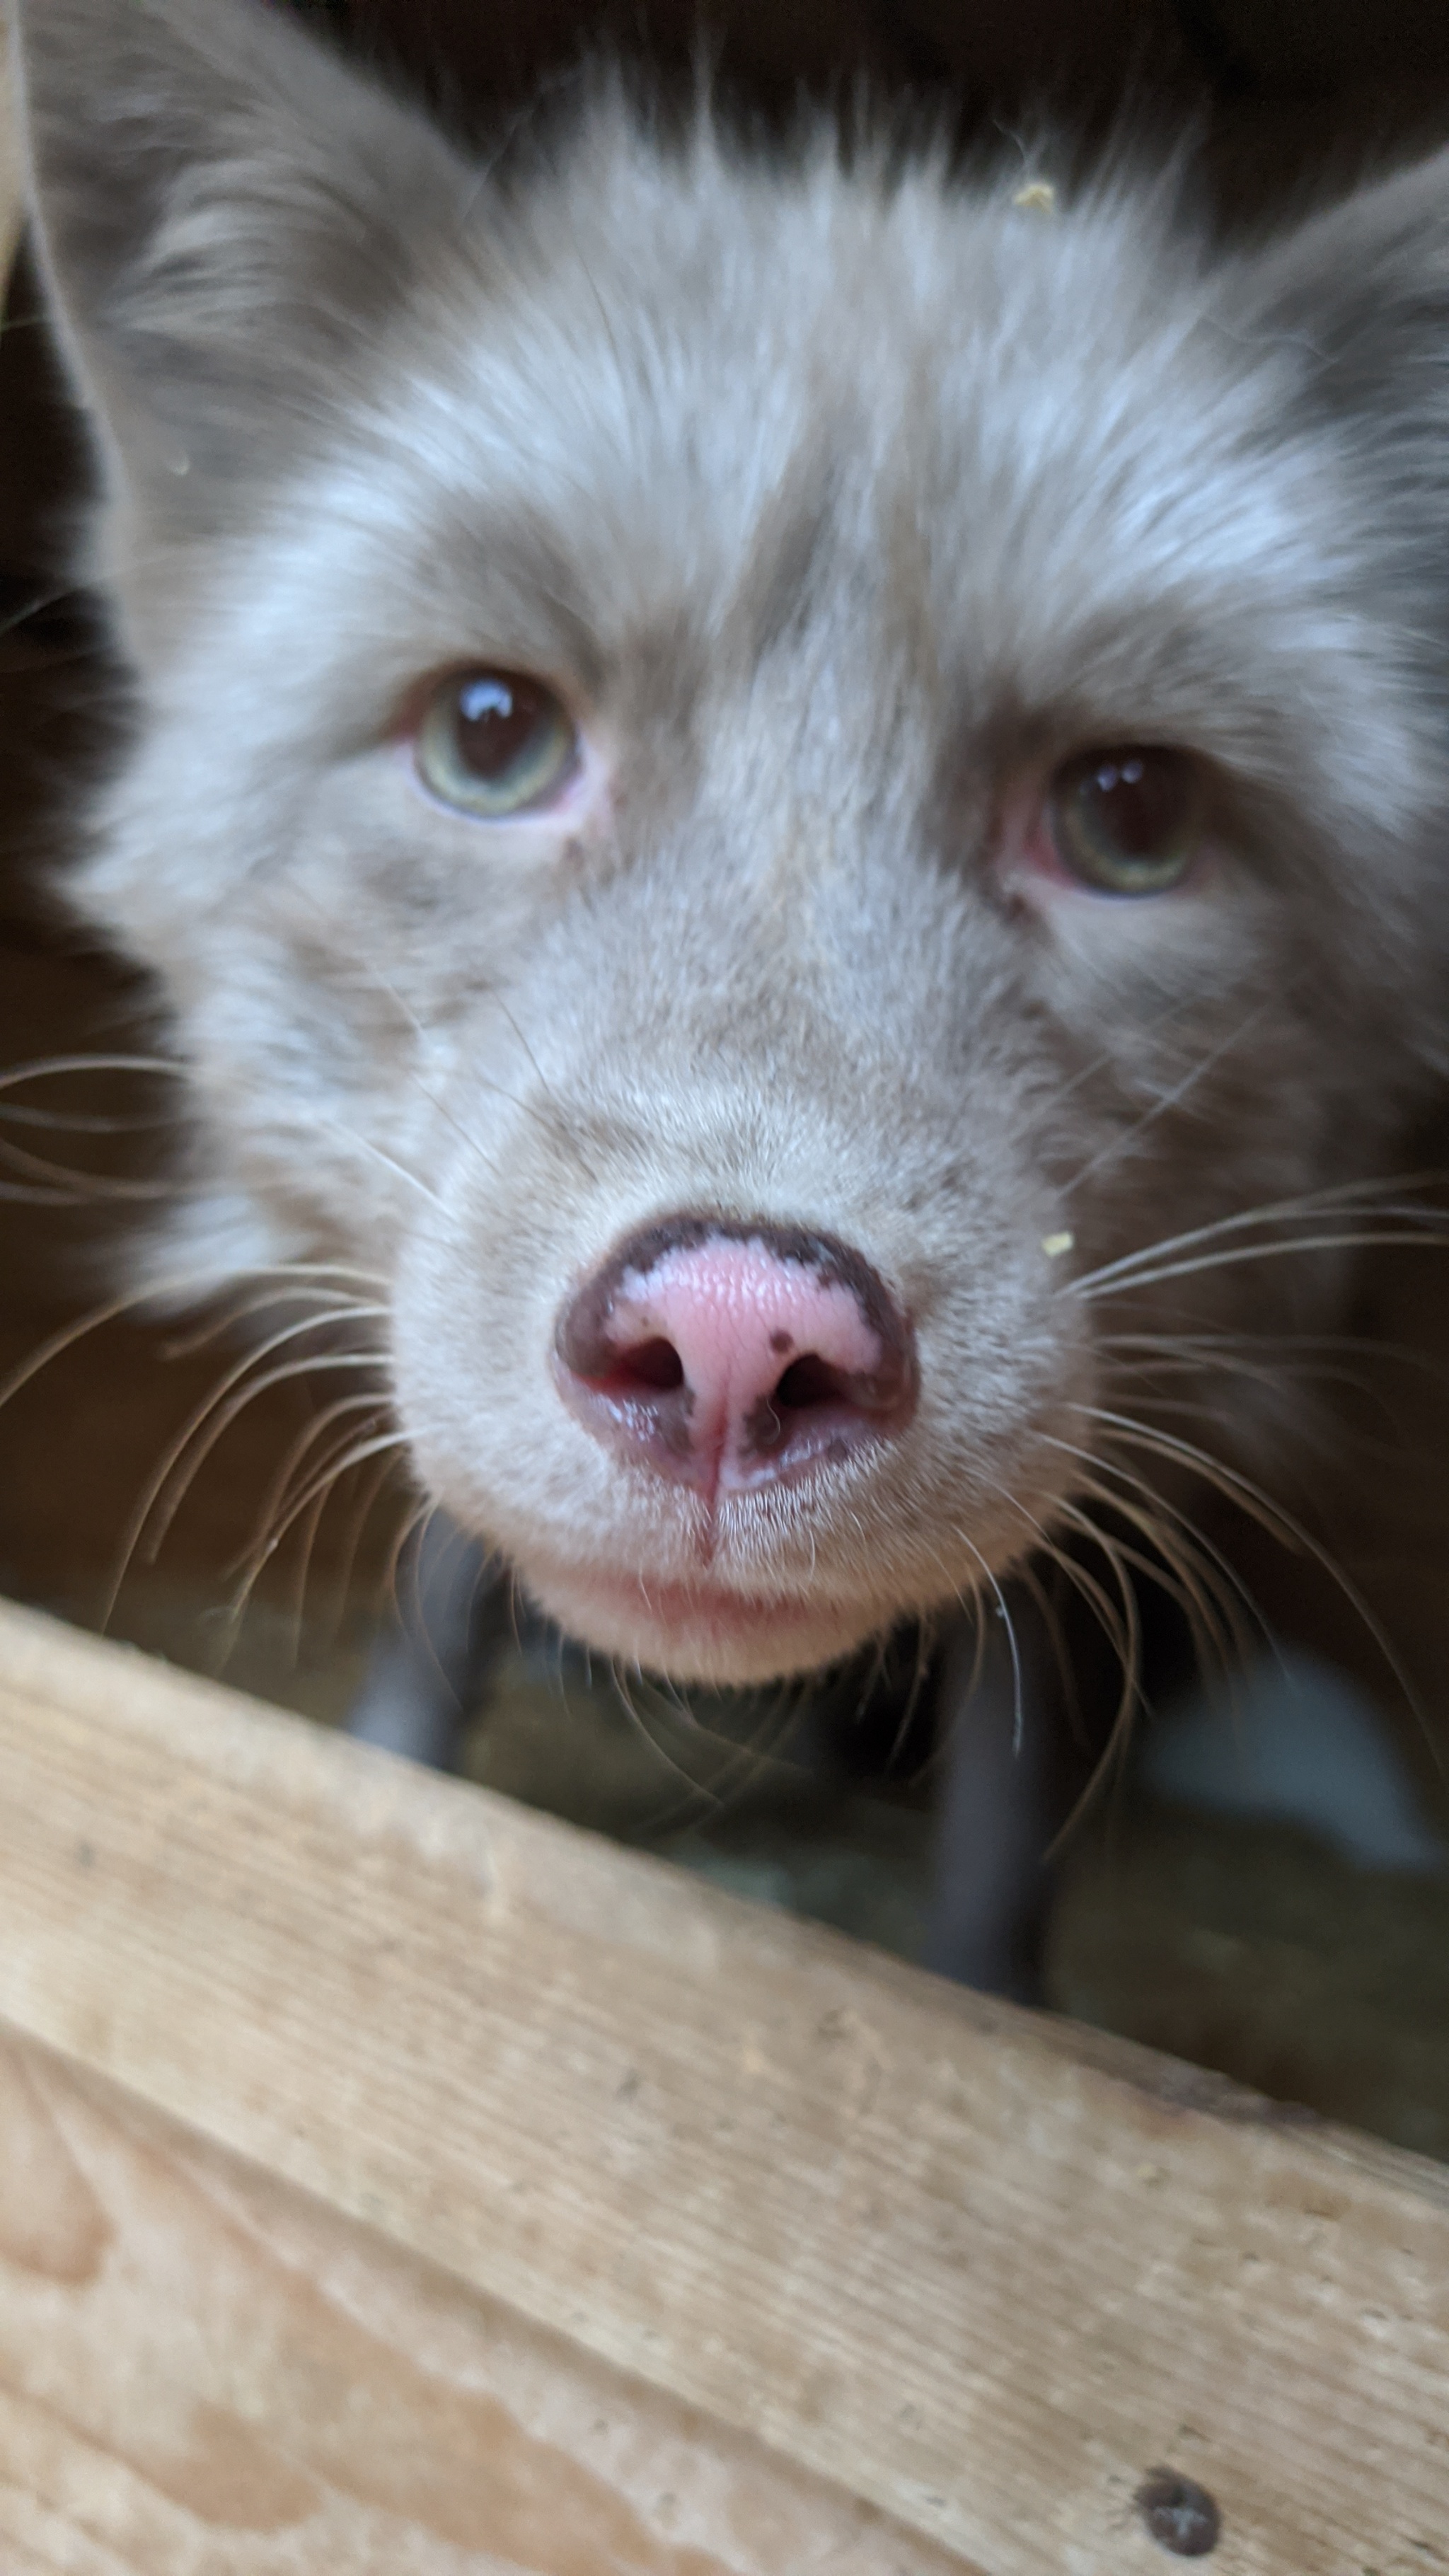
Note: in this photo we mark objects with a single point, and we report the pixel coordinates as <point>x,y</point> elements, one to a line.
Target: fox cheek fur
<point>754,1132</point>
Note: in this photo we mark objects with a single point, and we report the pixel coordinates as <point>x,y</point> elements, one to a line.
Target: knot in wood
<point>1180,2514</point>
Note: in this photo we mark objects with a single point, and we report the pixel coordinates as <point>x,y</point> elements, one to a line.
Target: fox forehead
<point>682,344</point>
<point>1041,469</point>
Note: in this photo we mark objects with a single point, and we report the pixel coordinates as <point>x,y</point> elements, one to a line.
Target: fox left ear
<point>229,215</point>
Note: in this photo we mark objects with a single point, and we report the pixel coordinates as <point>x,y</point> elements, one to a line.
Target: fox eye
<point>1128,821</point>
<point>495,743</point>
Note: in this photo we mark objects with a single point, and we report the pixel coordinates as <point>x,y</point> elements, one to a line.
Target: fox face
<point>792,805</point>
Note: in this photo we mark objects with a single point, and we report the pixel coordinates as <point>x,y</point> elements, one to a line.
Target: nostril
<point>817,1403</point>
<point>809,1381</point>
<point>652,1367</point>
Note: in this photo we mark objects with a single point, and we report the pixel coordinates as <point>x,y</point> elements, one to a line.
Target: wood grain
<point>975,2268</point>
<point>194,2357</point>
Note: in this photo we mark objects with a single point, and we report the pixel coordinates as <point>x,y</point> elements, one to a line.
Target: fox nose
<point>727,1354</point>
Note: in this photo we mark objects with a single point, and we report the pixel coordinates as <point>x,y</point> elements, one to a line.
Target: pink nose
<point>725,1354</point>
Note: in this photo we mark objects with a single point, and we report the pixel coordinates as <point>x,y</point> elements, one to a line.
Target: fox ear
<point>228,215</point>
<point>1359,295</point>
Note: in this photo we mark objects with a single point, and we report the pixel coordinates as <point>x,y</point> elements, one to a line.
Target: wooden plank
<point>976,2268</point>
<point>200,2366</point>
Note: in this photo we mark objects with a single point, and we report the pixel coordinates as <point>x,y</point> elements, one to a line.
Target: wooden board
<point>198,2365</point>
<point>460,2156</point>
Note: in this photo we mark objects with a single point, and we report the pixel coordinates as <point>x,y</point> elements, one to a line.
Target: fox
<point>785,802</point>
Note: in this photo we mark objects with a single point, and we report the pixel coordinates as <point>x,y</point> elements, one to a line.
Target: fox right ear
<point>1358,295</point>
<point>229,214</point>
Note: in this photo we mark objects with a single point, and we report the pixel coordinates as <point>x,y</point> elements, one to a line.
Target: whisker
<point>384,984</point>
<point>64,1186</point>
<point>1189,1573</point>
<point>1207,1349</point>
<point>1236,1601</point>
<point>169,1485</point>
<point>743,1760</point>
<point>372,1489</point>
<point>1130,1697</point>
<point>1083,1583</point>
<point>353,1136</point>
<point>1302,1362</point>
<point>311,1524</point>
<point>240,1308</point>
<point>1050,1618</point>
<point>1307,1204</point>
<point>44,1068</point>
<point>280,1491</point>
<point>412,1524</point>
<point>1018,1692</point>
<point>353,1457</point>
<point>1359,1241</point>
<point>1281,1524</point>
<point>137,1300</point>
<point>1170,1099</point>
<point>1106,1057</point>
<point>700,1795</point>
<point>562,1126</point>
